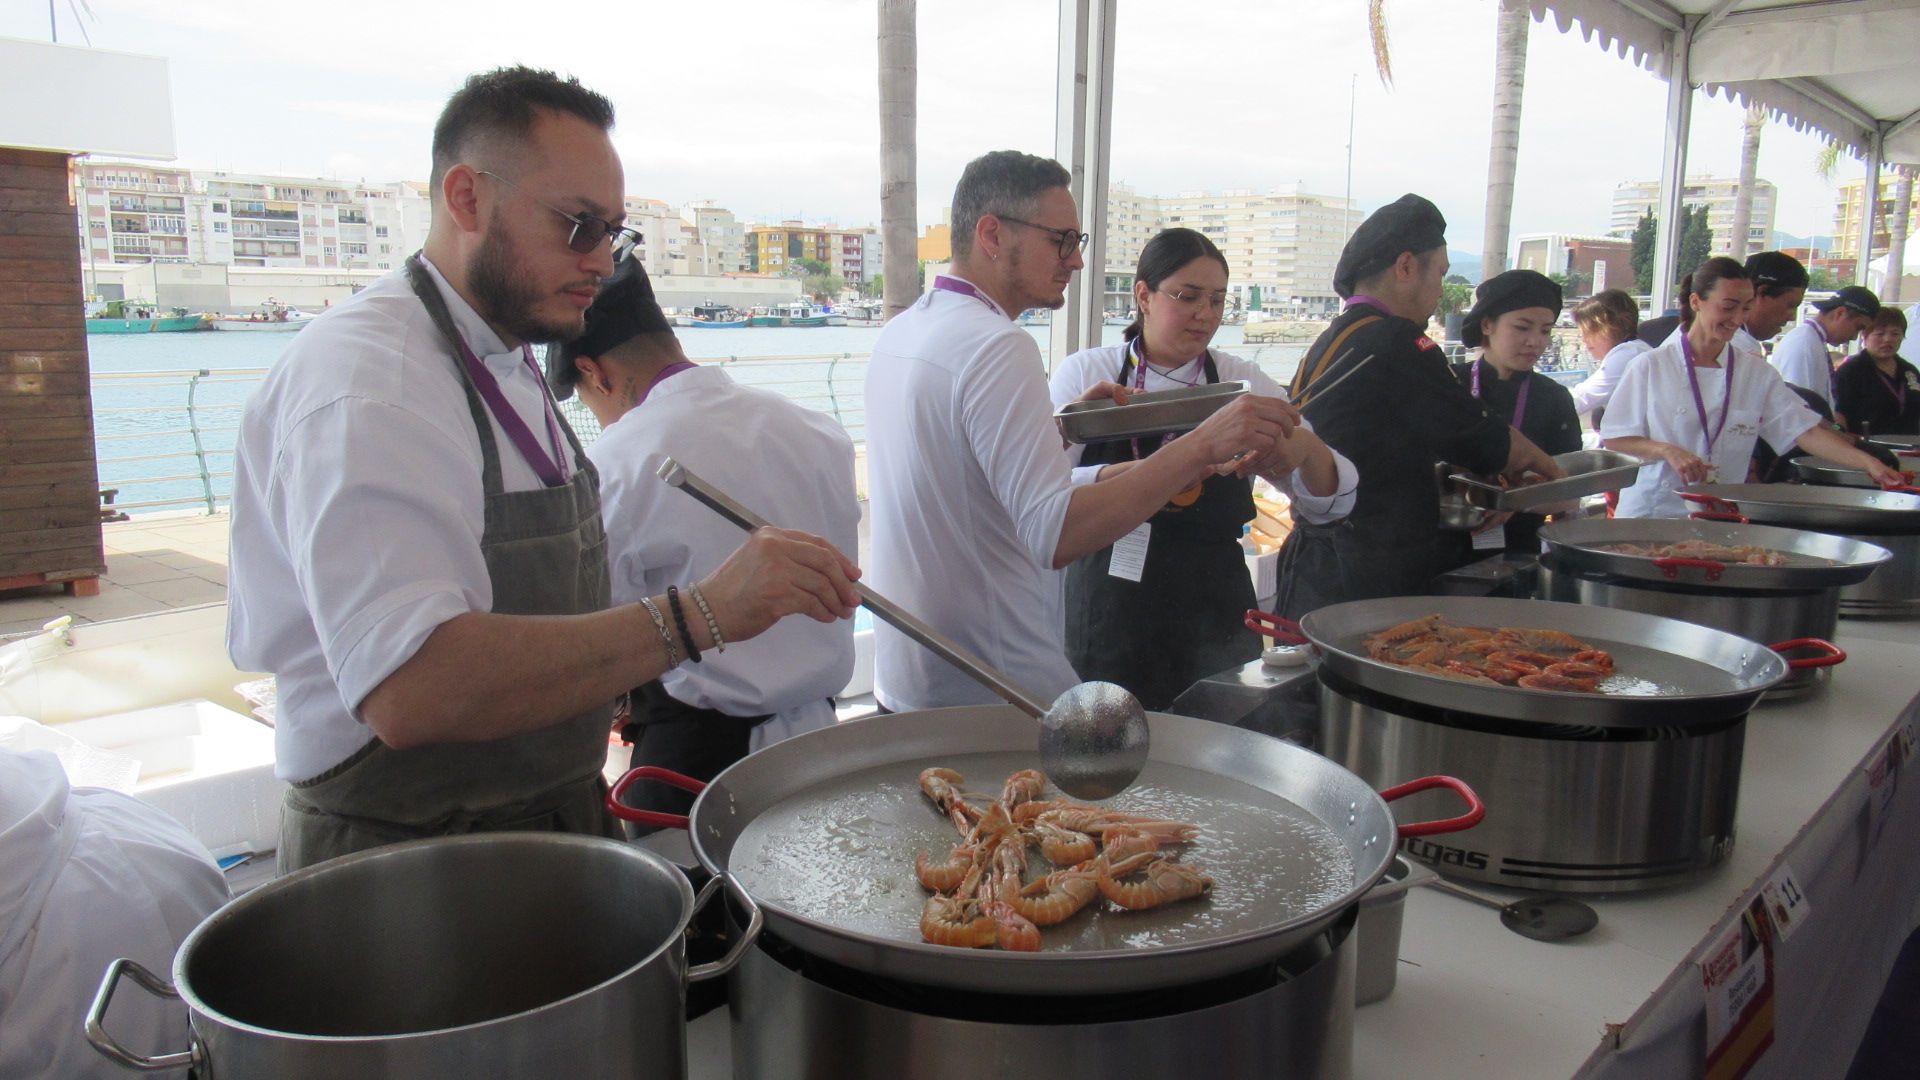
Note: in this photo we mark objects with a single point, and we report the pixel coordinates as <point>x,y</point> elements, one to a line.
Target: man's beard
<point>506,298</point>
<point>1049,301</point>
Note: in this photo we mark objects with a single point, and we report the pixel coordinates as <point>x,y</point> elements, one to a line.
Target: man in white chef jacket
<point>973,508</point>
<point>89,876</point>
<point>791,465</point>
<point>1779,284</point>
<point>1802,357</point>
<point>417,552</point>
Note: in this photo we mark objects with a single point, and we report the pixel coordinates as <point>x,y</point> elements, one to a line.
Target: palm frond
<point>79,20</point>
<point>1827,160</point>
<point>1377,30</point>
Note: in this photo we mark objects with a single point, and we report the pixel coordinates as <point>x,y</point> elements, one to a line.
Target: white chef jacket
<point>792,466</point>
<point>1081,371</point>
<point>1655,401</point>
<point>88,876</point>
<point>357,508</point>
<point>967,491</point>
<point>1802,359</point>
<point>1594,391</point>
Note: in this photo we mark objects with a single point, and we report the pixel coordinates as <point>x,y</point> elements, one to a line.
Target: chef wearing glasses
<point>417,551</point>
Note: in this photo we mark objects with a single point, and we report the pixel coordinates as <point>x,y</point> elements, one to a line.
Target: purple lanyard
<point>966,288</point>
<point>1140,383</point>
<point>1699,402</point>
<point>669,372</point>
<point>1821,333</point>
<point>1363,298</point>
<point>551,468</point>
<point>1896,386</point>
<point>1519,403</point>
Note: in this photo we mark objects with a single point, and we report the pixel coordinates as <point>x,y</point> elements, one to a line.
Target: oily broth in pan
<point>841,853</point>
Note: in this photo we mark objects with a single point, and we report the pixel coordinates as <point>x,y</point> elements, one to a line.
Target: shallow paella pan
<point>821,830</point>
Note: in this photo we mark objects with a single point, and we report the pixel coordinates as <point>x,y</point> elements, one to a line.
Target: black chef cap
<point>1853,298</point>
<point>624,309</point>
<point>1409,223</point>
<point>1777,269</point>
<point>1515,290</point>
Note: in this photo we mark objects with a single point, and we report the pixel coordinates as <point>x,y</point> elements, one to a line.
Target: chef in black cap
<point>792,465</point>
<point>1512,324</point>
<point>1379,391</point>
<point>1802,357</point>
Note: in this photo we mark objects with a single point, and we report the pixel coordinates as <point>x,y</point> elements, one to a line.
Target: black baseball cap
<point>1778,269</point>
<point>1854,298</point>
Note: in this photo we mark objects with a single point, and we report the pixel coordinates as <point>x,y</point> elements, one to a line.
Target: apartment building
<point>1849,200</point>
<point>1635,198</point>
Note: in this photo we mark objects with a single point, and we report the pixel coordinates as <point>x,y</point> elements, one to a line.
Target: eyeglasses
<point>588,231</point>
<point>1193,298</point>
<point>1071,240</point>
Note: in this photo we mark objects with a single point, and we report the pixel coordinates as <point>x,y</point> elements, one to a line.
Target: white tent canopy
<point>1844,68</point>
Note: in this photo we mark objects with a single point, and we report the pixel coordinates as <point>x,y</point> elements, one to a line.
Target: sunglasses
<point>588,231</point>
<point>1071,240</point>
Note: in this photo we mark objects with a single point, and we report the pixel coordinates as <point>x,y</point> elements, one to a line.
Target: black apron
<point>1183,620</point>
<point>546,554</point>
<point>692,741</point>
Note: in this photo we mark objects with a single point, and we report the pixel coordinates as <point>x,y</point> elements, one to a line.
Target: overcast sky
<point>770,106</point>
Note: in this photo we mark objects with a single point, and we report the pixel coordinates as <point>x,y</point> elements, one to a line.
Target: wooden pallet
<point>74,586</point>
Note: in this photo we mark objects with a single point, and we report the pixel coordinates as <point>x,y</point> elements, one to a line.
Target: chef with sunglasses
<point>417,551</point>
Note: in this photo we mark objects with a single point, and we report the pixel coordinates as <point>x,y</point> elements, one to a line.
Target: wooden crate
<point>49,479</point>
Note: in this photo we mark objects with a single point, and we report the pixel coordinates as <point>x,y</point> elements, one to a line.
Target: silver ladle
<point>1542,917</point>
<point>1093,740</point>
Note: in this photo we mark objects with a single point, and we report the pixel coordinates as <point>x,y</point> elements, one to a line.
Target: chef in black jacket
<point>1512,323</point>
<point>1378,390</point>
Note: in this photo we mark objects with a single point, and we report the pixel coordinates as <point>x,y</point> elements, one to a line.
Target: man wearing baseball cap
<point>1802,357</point>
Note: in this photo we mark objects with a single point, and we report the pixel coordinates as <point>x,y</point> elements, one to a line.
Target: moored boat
<point>168,324</point>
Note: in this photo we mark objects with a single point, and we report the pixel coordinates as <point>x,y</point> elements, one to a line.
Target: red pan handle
<point>1712,502</point>
<point>1671,566</point>
<point>651,817</point>
<point>1278,627</point>
<point>1830,654</point>
<point>1904,489</point>
<point>1716,515</point>
<point>1475,808</point>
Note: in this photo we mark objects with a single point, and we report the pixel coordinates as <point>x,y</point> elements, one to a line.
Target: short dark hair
<point>506,101</point>
<point>1611,311</point>
<point>1703,280</point>
<point>1887,316</point>
<point>1775,273</point>
<point>1002,183</point>
<point>1164,255</point>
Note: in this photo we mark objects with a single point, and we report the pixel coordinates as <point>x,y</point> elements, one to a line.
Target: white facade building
<point>1635,198</point>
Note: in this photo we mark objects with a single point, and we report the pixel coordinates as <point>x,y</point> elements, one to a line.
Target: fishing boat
<point>862,313</point>
<point>136,318</point>
<point>711,316</point>
<point>791,313</point>
<point>268,318</point>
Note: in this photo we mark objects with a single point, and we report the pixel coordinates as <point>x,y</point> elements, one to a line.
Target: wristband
<point>666,636</point>
<point>680,620</point>
<point>713,624</point>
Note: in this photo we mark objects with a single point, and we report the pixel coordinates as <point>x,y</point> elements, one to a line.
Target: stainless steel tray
<point>1819,470</point>
<point>1589,472</point>
<point>1159,412</point>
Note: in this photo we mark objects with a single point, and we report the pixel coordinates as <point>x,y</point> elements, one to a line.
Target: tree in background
<point>1743,193</point>
<point>1643,239</point>
<point>1696,238</point>
<point>1456,295</point>
<point>1821,279</point>
<point>877,286</point>
<point>817,279</point>
<point>1503,153</point>
<point>1574,284</point>
<point>899,150</point>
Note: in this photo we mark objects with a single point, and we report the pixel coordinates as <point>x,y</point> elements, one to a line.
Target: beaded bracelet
<point>666,636</point>
<point>713,624</point>
<point>680,620</point>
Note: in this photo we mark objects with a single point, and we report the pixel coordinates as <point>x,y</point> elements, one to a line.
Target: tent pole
<point>1673,169</point>
<point>1870,203</point>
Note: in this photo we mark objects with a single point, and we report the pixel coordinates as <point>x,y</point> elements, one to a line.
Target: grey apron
<point>546,554</point>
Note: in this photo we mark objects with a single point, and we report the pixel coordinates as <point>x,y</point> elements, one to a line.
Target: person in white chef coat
<point>88,876</point>
<point>791,465</point>
<point>1694,406</point>
<point>1609,323</point>
<point>974,511</point>
<point>417,551</point>
<point>1803,357</point>
<point>1779,285</point>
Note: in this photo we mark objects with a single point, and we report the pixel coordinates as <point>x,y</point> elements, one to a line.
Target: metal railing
<point>165,439</point>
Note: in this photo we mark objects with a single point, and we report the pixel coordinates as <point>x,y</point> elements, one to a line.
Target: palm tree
<point>1897,231</point>
<point>1743,195</point>
<point>898,155</point>
<point>1503,156</point>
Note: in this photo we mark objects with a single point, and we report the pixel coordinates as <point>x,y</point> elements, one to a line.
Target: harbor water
<point>167,406</point>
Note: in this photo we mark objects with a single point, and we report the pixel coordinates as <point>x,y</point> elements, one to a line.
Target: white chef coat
<point>1594,391</point>
<point>1655,401</point>
<point>1081,371</point>
<point>968,491</point>
<point>357,508</point>
<point>88,876</point>
<point>792,466</point>
<point>1802,359</point>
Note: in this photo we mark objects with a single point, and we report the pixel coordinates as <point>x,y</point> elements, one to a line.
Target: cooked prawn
<point>960,922</point>
<point>1057,897</point>
<point>1166,881</point>
<point>1539,639</point>
<point>943,876</point>
<point>1012,930</point>
<point>1064,847</point>
<point>943,787</point>
<point>1023,787</point>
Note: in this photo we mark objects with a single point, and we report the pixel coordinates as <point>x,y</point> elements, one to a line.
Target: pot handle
<point>107,1045</point>
<point>1671,566</point>
<point>1904,489</point>
<point>703,972</point>
<point>651,817</point>
<point>1277,627</point>
<point>1712,503</point>
<point>1475,808</point>
<point>1830,654</point>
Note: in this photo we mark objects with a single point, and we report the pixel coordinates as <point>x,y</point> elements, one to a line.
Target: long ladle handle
<point>679,476</point>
